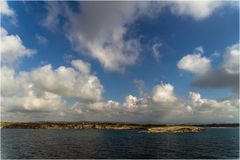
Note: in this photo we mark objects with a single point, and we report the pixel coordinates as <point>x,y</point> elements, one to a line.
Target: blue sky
<point>178,32</point>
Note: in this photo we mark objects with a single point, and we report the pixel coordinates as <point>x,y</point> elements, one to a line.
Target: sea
<point>219,143</point>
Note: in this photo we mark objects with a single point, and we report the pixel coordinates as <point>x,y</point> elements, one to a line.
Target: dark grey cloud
<point>226,76</point>
<point>217,79</point>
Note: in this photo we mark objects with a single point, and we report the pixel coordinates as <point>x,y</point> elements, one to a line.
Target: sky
<point>143,62</point>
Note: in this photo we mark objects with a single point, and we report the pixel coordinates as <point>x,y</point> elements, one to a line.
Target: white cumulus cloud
<point>68,82</point>
<point>231,59</point>
<point>164,93</point>
<point>19,94</point>
<point>12,48</point>
<point>213,110</point>
<point>195,63</point>
<point>45,90</point>
<point>5,9</point>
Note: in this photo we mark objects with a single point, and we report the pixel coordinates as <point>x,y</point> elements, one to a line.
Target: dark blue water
<point>46,143</point>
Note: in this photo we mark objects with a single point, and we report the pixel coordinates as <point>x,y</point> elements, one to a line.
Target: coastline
<point>150,128</point>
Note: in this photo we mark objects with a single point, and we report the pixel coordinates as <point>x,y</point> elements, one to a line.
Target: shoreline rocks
<point>175,129</point>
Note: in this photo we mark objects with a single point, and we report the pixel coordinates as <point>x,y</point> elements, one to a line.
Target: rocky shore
<point>175,129</point>
<point>151,128</point>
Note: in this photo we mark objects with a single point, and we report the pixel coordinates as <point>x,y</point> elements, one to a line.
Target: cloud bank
<point>161,106</point>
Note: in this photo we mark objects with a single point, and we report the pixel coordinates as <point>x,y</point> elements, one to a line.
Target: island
<point>150,128</point>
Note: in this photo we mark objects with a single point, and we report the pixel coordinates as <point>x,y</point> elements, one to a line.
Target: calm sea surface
<point>89,143</point>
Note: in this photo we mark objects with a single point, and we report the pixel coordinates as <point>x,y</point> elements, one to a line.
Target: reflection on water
<point>46,143</point>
